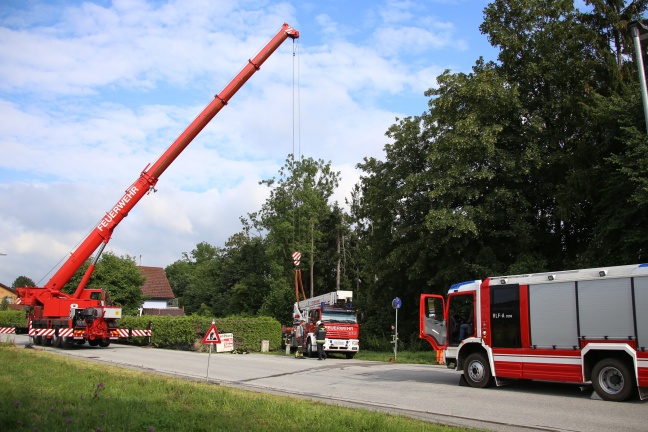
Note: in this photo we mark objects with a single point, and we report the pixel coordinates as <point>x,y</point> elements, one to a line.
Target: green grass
<point>47,392</point>
<point>412,357</point>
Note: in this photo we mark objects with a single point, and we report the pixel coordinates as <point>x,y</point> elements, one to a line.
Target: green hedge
<point>13,318</point>
<point>186,333</point>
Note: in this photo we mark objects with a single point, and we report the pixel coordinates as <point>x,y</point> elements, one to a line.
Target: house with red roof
<point>158,295</point>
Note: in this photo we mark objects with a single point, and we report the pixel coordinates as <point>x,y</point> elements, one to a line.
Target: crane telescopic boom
<point>149,177</point>
<point>89,315</point>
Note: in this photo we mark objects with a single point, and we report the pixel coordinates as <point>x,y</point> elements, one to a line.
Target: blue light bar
<point>455,287</point>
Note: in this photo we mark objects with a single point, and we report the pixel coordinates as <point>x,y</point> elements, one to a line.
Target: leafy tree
<point>179,276</point>
<point>567,65</point>
<point>278,303</point>
<point>228,281</point>
<point>197,280</point>
<point>22,281</point>
<point>246,273</point>
<point>292,219</point>
<point>620,233</point>
<point>204,311</point>
<point>389,208</point>
<point>521,165</point>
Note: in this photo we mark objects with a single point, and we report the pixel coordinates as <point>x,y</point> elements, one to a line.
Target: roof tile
<point>157,285</point>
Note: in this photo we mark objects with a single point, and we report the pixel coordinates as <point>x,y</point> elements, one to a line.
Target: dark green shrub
<point>13,318</point>
<point>186,333</point>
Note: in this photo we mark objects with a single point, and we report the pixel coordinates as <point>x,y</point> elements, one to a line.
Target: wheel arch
<point>468,348</point>
<point>593,353</point>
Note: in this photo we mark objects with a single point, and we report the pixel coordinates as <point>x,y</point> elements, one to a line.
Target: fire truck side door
<point>433,322</point>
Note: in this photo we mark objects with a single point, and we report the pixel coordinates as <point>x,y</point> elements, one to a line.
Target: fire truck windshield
<point>343,316</point>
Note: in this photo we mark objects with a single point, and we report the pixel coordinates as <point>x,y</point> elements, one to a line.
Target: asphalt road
<point>431,393</point>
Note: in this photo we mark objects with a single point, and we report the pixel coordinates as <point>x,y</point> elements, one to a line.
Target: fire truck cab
<point>576,326</point>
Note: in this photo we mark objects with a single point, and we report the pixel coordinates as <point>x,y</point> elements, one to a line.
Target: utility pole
<point>636,28</point>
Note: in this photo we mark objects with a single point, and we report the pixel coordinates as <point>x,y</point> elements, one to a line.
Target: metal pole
<point>396,337</point>
<point>210,350</point>
<point>208,358</point>
<point>642,74</point>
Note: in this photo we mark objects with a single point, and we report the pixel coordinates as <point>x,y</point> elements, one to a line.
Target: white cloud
<point>133,44</point>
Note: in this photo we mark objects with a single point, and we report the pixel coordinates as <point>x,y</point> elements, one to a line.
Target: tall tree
<point>196,279</point>
<point>513,168</point>
<point>22,281</point>
<point>292,217</point>
<point>246,271</point>
<point>394,248</point>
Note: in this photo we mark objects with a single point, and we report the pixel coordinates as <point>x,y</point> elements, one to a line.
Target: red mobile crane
<point>59,318</point>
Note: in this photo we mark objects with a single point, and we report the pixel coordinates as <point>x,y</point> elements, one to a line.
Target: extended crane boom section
<point>49,303</point>
<point>149,178</point>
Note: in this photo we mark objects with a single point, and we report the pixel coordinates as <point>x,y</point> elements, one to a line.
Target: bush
<point>186,333</point>
<point>374,342</point>
<point>13,318</point>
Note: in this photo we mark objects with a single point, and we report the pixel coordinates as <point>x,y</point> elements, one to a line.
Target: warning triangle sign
<point>212,336</point>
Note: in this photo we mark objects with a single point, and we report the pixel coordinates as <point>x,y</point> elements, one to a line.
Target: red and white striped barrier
<point>51,332</point>
<point>141,333</point>
<point>134,333</point>
<point>41,332</point>
<point>66,332</point>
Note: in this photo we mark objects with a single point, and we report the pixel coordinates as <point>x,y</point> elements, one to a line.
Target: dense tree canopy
<point>22,281</point>
<point>527,164</point>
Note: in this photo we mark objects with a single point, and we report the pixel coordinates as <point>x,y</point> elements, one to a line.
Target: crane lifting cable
<point>296,137</point>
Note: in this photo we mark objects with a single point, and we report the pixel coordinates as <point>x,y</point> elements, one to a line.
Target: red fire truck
<point>577,326</point>
<point>59,318</point>
<point>336,311</point>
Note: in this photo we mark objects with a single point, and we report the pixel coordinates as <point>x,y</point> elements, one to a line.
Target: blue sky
<point>91,92</point>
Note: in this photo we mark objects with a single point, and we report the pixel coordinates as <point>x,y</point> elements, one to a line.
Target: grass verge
<point>46,392</point>
<point>412,357</point>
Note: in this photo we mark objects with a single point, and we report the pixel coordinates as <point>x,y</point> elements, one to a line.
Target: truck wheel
<point>46,341</point>
<point>66,342</point>
<point>309,349</point>
<point>37,340</point>
<point>93,342</point>
<point>477,371</point>
<point>56,341</point>
<point>104,343</point>
<point>612,380</point>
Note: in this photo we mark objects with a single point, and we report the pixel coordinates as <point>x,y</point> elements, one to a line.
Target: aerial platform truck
<point>89,315</point>
<point>336,312</point>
